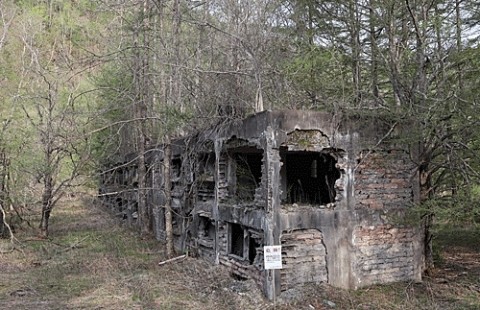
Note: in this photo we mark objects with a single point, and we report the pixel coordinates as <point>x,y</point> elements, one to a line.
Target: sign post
<point>272,256</point>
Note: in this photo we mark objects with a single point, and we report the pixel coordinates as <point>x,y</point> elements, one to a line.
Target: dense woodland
<point>84,82</point>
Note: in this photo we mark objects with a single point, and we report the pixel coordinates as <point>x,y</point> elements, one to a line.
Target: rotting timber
<point>330,191</point>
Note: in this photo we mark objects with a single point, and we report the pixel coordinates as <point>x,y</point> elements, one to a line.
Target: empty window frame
<point>311,177</point>
<point>242,244</point>
<point>120,176</point>
<point>253,245</point>
<point>205,177</point>
<point>177,223</point>
<point>248,175</point>
<point>133,175</point>
<point>206,229</point>
<point>176,168</point>
<point>236,240</point>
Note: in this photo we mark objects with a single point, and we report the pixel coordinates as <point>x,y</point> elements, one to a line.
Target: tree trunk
<point>458,38</point>
<point>425,194</point>
<point>176,73</point>
<point>3,223</point>
<point>3,192</point>
<point>355,46</point>
<point>374,52</point>
<point>142,194</point>
<point>47,205</point>
<point>141,106</point>
<point>167,187</point>
<point>419,88</point>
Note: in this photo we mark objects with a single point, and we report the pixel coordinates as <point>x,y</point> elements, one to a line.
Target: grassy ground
<point>91,262</point>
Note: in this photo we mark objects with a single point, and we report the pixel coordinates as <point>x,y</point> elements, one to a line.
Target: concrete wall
<point>348,237</point>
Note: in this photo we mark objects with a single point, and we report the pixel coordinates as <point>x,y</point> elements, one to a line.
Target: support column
<point>272,229</point>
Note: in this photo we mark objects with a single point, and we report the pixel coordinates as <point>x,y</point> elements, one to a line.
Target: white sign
<point>272,255</point>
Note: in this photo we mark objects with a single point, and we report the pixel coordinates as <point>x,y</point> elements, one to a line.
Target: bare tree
<point>142,102</point>
<point>50,98</point>
<point>63,156</point>
<point>6,18</point>
<point>167,185</point>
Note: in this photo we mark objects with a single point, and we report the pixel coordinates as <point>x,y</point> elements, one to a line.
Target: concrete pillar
<point>273,203</point>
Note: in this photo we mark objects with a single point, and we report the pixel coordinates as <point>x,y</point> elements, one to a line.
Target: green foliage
<point>114,106</point>
<point>475,192</point>
<point>44,59</point>
<point>455,209</point>
<point>312,71</point>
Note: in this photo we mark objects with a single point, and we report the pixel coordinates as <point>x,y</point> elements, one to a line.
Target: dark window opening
<point>236,240</point>
<point>206,229</point>
<point>125,177</point>
<point>133,175</point>
<point>311,177</point>
<point>176,167</point>
<point>248,174</point>
<point>252,249</point>
<point>206,180</point>
<point>177,223</point>
<point>120,178</point>
<point>243,244</point>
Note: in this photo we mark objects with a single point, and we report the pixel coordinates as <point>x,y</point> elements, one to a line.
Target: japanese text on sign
<point>272,256</point>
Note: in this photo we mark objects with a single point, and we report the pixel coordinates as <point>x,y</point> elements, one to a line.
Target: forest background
<point>86,82</point>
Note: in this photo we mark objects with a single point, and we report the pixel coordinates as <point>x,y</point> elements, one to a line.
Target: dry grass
<point>92,262</point>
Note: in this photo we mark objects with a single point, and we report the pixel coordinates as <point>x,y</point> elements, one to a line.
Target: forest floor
<point>93,262</point>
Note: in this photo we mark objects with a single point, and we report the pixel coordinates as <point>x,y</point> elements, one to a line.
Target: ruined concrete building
<point>330,191</point>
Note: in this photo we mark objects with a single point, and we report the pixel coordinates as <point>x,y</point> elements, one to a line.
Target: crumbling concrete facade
<point>330,191</point>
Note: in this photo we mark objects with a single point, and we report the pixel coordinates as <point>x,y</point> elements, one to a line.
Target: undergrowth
<point>92,261</point>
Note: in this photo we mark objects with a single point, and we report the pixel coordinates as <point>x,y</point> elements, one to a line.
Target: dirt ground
<point>91,261</point>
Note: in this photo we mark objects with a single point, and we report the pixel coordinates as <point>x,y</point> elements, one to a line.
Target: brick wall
<point>383,180</point>
<point>383,253</point>
<point>304,258</point>
<point>384,250</point>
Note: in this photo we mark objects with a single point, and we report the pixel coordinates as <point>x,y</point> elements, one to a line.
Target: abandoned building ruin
<point>330,191</point>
